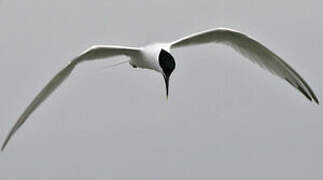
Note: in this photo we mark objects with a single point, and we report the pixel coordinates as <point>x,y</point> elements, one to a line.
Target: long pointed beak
<point>166,78</point>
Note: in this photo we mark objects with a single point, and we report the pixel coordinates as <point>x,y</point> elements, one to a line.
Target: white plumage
<point>157,57</point>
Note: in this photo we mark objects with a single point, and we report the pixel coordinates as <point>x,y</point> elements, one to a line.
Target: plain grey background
<point>225,119</point>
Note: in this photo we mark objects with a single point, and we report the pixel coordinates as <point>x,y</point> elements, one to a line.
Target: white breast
<point>148,58</point>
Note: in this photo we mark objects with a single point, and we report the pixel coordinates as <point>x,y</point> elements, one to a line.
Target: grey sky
<point>225,119</point>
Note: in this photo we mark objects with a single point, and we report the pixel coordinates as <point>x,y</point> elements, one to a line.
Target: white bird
<point>158,57</point>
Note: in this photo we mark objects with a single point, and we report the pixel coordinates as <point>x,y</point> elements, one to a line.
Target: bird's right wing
<point>93,53</point>
<point>252,50</point>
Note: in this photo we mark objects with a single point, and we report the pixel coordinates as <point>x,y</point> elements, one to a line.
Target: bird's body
<point>157,57</point>
<point>147,57</point>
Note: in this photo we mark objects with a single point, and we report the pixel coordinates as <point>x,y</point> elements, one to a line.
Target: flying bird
<point>158,57</point>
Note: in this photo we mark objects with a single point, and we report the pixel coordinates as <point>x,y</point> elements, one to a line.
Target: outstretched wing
<point>252,50</point>
<point>93,53</point>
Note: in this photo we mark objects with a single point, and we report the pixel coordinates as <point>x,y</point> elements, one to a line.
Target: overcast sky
<point>226,118</point>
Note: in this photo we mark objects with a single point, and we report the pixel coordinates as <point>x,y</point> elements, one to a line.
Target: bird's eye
<point>166,62</point>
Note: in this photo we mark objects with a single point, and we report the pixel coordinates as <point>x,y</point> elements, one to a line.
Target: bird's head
<point>167,64</point>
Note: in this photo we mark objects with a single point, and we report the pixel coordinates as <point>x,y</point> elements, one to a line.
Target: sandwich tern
<point>157,57</point>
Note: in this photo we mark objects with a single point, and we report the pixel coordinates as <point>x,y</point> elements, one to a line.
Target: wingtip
<point>313,95</point>
<point>4,145</point>
<point>2,148</point>
<point>317,101</point>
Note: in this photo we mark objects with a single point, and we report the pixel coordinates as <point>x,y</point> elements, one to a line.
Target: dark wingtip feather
<point>304,92</point>
<point>310,96</point>
<point>4,145</point>
<point>6,141</point>
<point>311,92</point>
<point>314,97</point>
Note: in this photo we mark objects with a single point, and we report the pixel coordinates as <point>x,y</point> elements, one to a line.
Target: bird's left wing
<point>254,51</point>
<point>93,53</point>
